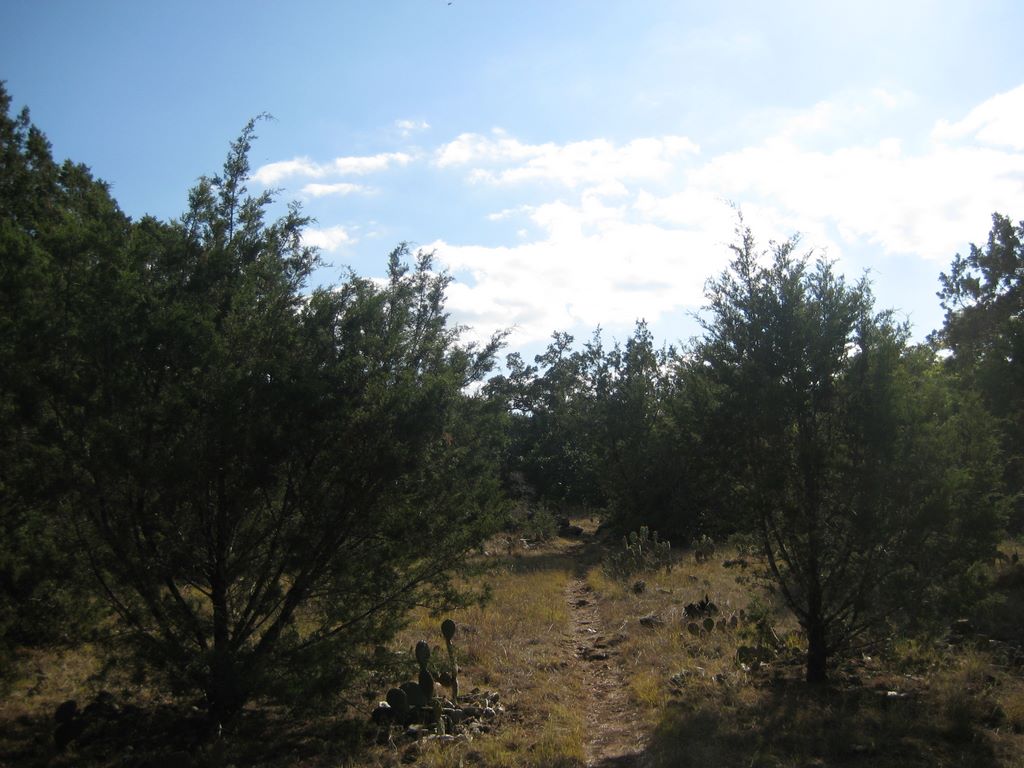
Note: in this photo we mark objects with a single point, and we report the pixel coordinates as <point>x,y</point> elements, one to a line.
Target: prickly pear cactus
<point>422,653</point>
<point>427,683</point>
<point>414,695</point>
<point>399,702</point>
<point>448,630</point>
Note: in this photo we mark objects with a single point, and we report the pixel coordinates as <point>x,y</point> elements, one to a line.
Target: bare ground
<point>614,734</point>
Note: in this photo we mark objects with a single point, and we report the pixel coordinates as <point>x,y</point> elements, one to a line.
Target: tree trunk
<point>817,651</point>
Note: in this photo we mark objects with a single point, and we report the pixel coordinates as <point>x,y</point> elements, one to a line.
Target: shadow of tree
<point>793,724</point>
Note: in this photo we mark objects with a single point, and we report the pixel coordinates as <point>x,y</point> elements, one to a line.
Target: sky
<point>572,163</point>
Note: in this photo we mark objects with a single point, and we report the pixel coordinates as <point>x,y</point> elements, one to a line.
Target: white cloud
<point>605,232</point>
<point>328,239</point>
<point>408,127</point>
<point>369,164</point>
<point>649,222</point>
<point>341,188</point>
<point>999,121</point>
<point>272,173</point>
<point>595,161</point>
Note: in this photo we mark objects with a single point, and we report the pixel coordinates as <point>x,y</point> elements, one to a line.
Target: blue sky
<point>572,163</point>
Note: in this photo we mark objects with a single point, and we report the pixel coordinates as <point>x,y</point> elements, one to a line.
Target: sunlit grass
<point>921,703</point>
<point>516,644</point>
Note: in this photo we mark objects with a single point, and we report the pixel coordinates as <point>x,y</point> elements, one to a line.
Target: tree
<point>50,215</point>
<point>551,421</point>
<point>983,296</point>
<point>869,488</point>
<point>265,479</point>
<point>641,440</point>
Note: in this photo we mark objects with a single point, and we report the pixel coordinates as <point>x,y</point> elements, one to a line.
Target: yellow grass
<point>922,704</point>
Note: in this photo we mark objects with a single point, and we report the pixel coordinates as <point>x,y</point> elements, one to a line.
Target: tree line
<point>255,478</point>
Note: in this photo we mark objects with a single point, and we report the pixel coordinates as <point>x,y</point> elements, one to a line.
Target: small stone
<point>639,587</point>
<point>651,620</point>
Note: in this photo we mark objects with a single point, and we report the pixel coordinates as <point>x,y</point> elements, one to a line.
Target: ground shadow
<point>790,723</point>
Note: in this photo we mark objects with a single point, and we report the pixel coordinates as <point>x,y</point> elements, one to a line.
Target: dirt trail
<point>613,736</point>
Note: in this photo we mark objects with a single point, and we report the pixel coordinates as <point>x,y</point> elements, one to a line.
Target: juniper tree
<point>869,485</point>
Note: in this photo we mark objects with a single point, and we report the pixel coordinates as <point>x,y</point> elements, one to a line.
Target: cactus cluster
<point>641,552</point>
<point>703,613</point>
<point>416,705</point>
<point>703,548</point>
<point>448,630</point>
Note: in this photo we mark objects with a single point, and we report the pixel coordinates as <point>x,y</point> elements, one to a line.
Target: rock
<point>651,620</point>
<point>489,713</point>
<point>639,587</point>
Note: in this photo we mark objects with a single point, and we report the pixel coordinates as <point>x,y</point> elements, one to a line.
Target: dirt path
<point>613,736</point>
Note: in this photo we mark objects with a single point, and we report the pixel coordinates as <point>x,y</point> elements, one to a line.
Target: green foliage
<point>54,219</point>
<point>264,478</point>
<point>601,429</point>
<point>641,552</point>
<point>550,424</point>
<point>872,487</point>
<point>983,295</point>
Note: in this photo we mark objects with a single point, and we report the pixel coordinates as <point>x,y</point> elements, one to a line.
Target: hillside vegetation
<point>236,507</point>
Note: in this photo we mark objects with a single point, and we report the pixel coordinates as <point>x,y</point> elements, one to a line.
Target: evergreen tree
<point>264,479</point>
<point>871,489</point>
<point>983,296</point>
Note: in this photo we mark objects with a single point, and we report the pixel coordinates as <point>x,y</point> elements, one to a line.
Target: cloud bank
<point>610,245</point>
<point>601,232</point>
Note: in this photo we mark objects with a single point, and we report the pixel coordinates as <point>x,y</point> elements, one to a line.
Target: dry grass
<point>922,704</point>
<point>962,707</point>
<point>517,645</point>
